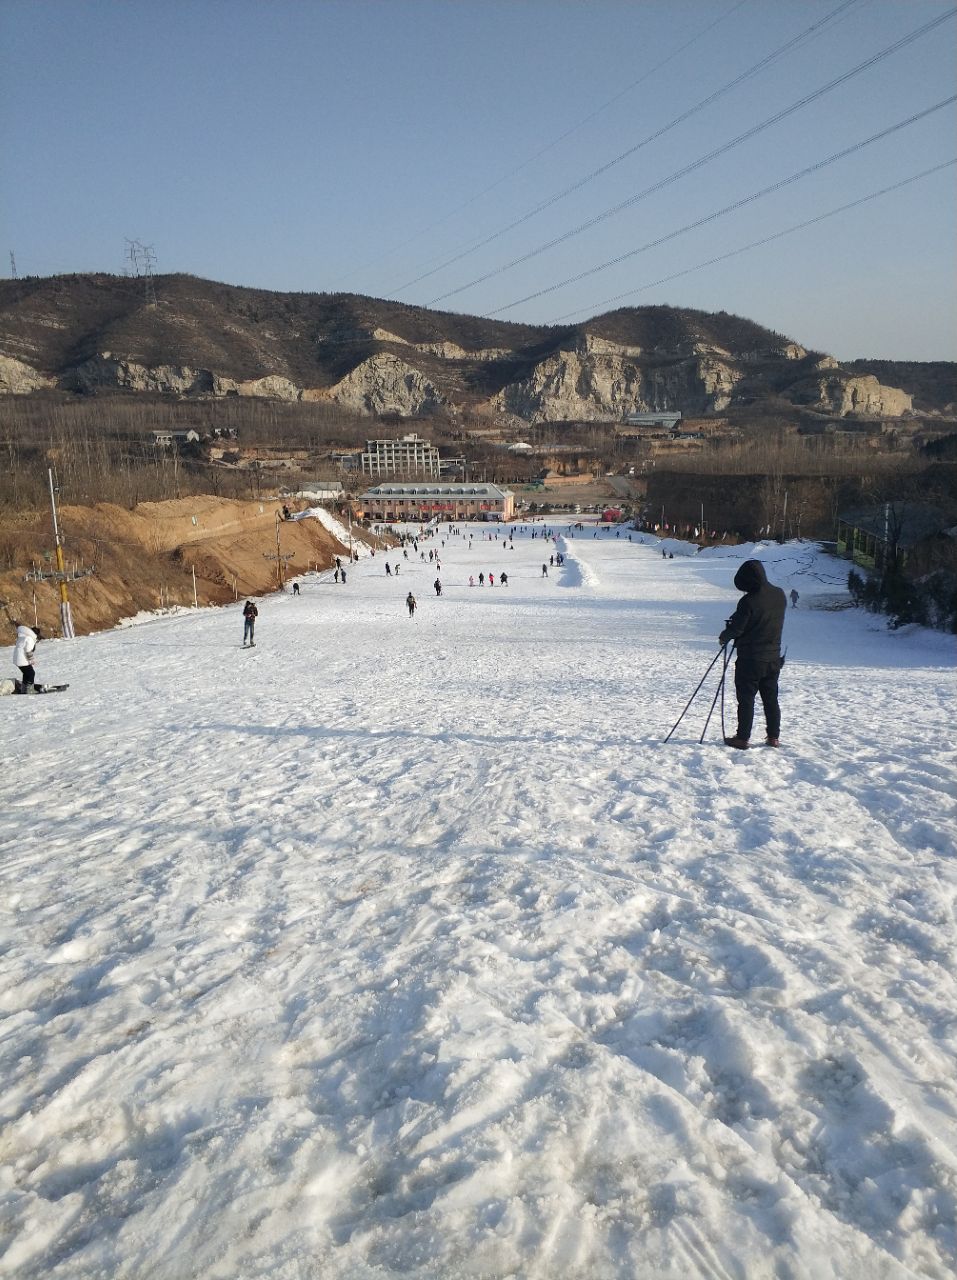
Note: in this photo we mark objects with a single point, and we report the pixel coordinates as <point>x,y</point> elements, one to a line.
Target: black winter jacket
<point>758,621</point>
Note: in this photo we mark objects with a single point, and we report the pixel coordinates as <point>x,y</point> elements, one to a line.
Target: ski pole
<point>719,690</point>
<point>695,694</point>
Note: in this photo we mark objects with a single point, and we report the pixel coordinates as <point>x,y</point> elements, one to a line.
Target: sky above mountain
<point>536,162</point>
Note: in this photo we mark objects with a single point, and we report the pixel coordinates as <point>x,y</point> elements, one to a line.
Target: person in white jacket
<point>26,643</point>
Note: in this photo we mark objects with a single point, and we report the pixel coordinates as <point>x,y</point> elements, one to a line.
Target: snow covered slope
<point>403,947</point>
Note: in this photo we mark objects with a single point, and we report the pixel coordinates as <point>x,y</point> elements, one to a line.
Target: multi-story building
<point>408,456</point>
<point>388,502</point>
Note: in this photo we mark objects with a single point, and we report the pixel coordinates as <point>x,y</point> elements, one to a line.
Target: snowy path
<point>404,947</point>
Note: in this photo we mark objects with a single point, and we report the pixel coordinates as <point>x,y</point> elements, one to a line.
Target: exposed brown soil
<point>144,558</point>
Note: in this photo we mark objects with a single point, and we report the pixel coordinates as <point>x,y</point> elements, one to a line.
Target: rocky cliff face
<point>383,384</point>
<point>87,333</point>
<point>18,378</point>
<point>598,380</point>
<point>845,396</point>
<point>108,371</point>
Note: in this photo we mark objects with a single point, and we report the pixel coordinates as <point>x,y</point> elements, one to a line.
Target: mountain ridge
<point>92,332</point>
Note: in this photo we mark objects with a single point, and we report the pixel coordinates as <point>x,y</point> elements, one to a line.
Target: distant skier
<point>481,579</point>
<point>438,587</point>
<point>471,581</point>
<point>250,614</point>
<point>26,643</point>
<point>411,603</point>
<point>794,597</point>
<point>335,576</point>
<point>388,569</point>
<point>503,579</point>
<point>544,570</point>
<point>343,572</point>
<point>755,627</point>
<point>491,579</point>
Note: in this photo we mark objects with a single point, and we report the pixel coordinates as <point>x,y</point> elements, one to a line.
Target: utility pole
<point>13,267</point>
<point>279,557</point>
<point>60,574</point>
<point>66,617</point>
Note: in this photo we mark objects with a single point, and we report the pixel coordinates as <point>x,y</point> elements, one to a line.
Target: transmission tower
<point>13,267</point>
<point>141,260</point>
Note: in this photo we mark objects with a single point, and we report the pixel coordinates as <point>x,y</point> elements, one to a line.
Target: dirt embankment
<point>144,559</point>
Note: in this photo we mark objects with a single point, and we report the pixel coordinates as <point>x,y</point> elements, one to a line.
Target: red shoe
<point>741,743</point>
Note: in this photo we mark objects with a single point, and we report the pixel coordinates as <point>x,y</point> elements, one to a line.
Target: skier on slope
<point>755,627</point>
<point>411,603</point>
<point>438,586</point>
<point>250,614</point>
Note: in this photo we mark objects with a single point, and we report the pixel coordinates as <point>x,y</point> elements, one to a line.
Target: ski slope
<point>403,947</point>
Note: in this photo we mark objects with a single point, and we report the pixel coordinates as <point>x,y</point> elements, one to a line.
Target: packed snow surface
<point>405,947</point>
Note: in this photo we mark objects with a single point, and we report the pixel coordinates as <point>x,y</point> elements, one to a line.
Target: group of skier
<point>754,631</point>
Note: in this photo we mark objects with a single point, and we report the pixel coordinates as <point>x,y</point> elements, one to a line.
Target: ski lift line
<point>772,57</point>
<point>703,160</point>
<point>755,244</point>
<point>548,146</point>
<point>730,208</point>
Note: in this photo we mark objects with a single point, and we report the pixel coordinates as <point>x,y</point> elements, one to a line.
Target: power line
<point>550,145</point>
<point>755,244</point>
<point>703,160</point>
<point>730,208</point>
<point>755,69</point>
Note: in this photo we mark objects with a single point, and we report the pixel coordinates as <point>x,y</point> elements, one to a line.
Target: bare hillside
<point>144,558</point>
<point>187,337</point>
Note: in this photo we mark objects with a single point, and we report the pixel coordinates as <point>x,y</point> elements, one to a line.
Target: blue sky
<point>356,146</point>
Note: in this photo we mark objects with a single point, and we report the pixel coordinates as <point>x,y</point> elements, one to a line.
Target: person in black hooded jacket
<point>755,627</point>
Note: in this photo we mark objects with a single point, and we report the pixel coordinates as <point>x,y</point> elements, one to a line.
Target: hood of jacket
<point>751,576</point>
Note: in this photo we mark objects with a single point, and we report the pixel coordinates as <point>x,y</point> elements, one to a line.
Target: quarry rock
<point>386,384</point>
<point>18,378</point>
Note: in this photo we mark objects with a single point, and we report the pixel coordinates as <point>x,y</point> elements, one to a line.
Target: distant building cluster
<point>166,439</point>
